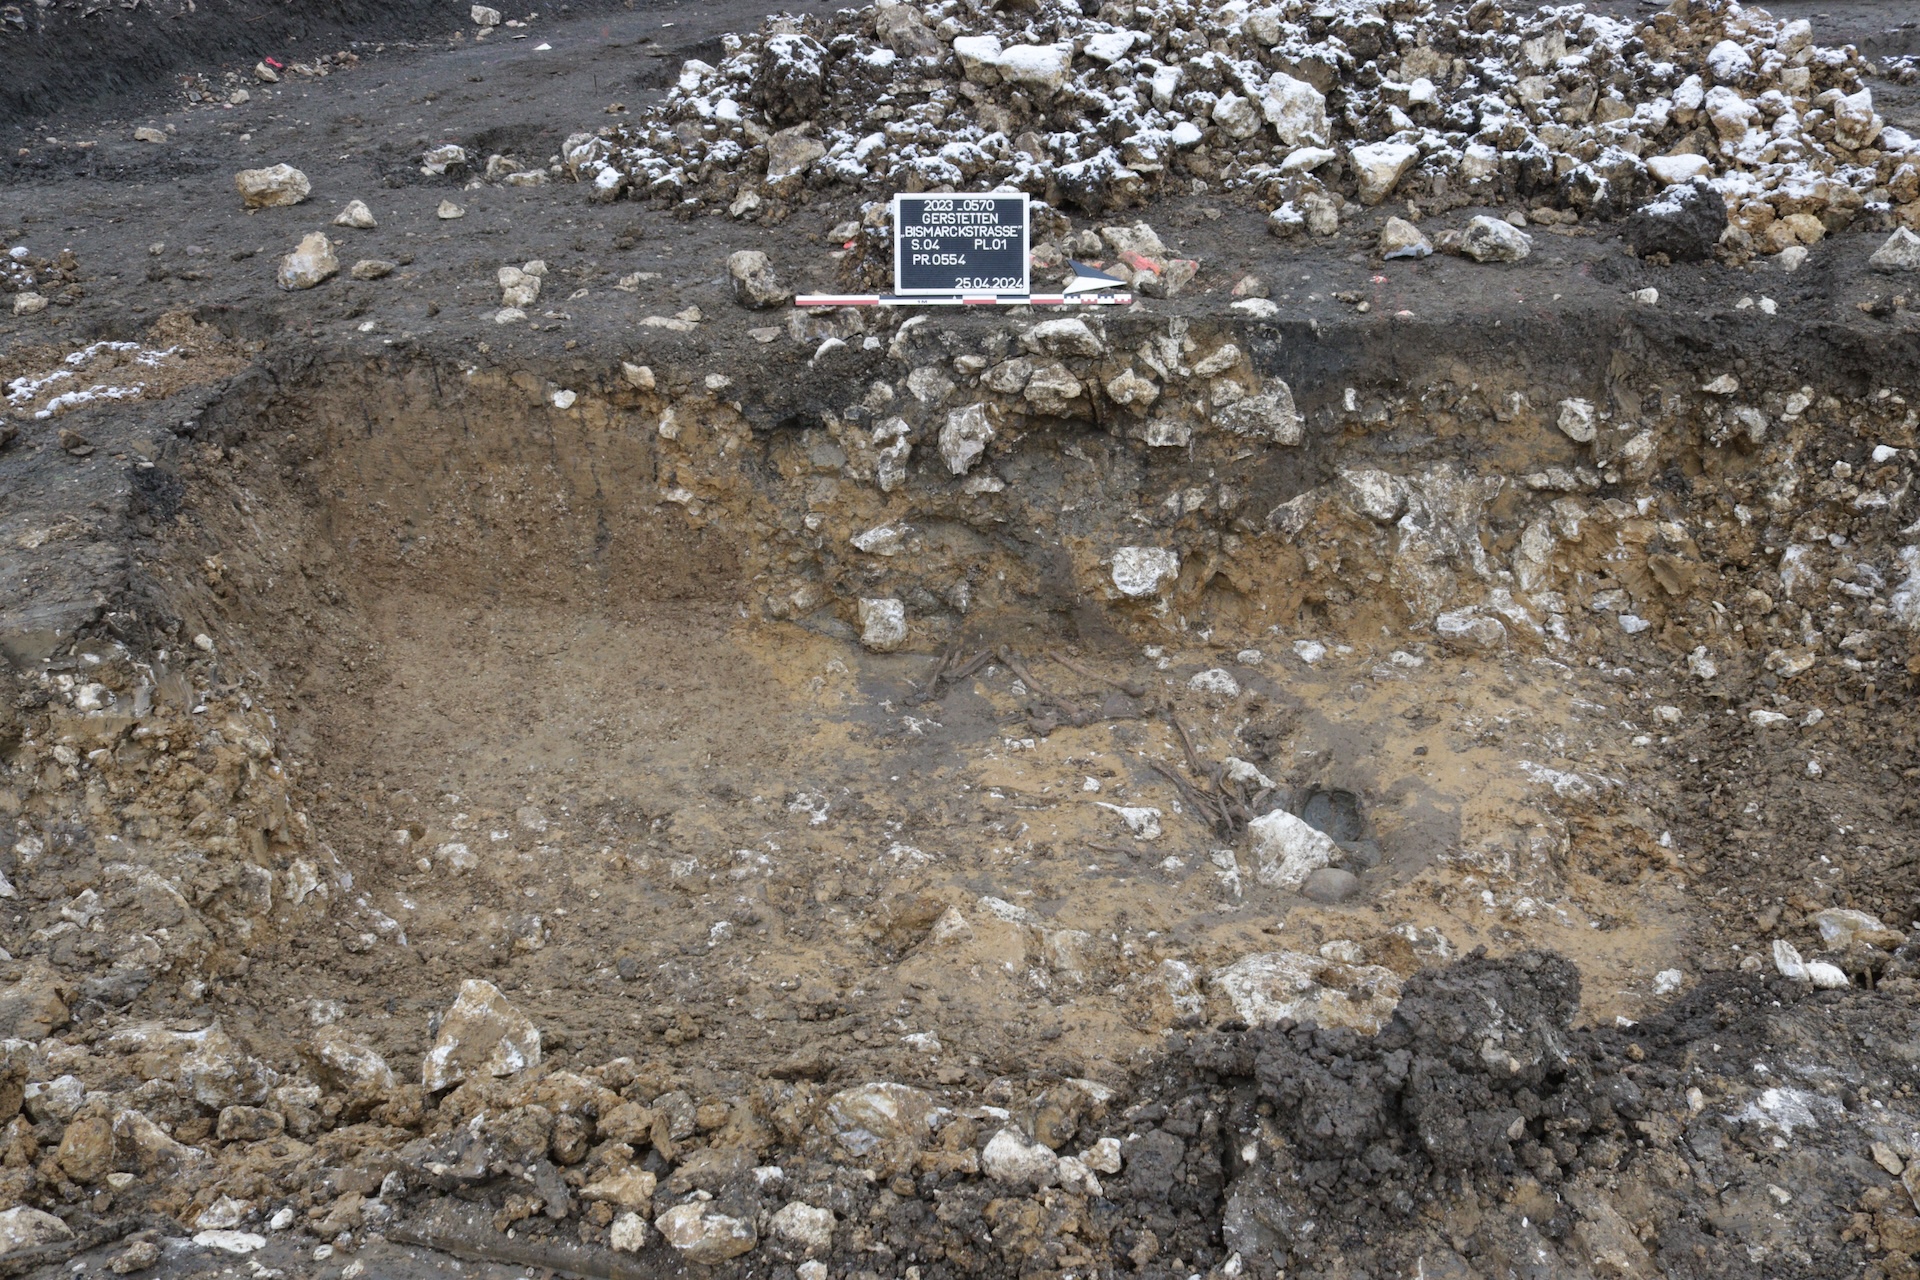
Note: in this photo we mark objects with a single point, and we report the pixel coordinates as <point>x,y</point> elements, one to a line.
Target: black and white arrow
<point>1088,279</point>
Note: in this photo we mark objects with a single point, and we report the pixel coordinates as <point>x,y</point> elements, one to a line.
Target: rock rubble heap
<point>1295,105</point>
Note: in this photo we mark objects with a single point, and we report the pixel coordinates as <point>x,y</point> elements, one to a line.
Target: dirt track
<point>533,655</point>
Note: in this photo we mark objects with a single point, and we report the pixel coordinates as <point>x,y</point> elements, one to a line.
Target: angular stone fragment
<point>790,78</point>
<point>356,215</point>
<point>1493,240</point>
<point>883,624</point>
<point>1131,389</point>
<point>519,287</point>
<point>629,1233</point>
<point>1053,391</point>
<point>1010,1158</point>
<point>1265,988</point>
<point>1296,110</point>
<point>1140,571</point>
<point>790,153</point>
<point>883,1122</point>
<point>704,1234</point>
<point>1468,630</point>
<point>964,438</point>
<point>902,29</point>
<point>1379,166</point>
<point>1578,421</point>
<point>1286,850</point>
<point>1401,239</point>
<point>804,1226</point>
<point>273,187</point>
<point>22,1227</point>
<point>311,264</point>
<point>1066,337</point>
<point>1042,68</point>
<point>482,1034</point>
<point>1901,252</point>
<point>1271,415</point>
<point>755,285</point>
<point>628,1189</point>
<point>347,1063</point>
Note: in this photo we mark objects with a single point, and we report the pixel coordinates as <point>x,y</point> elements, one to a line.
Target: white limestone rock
<point>965,437</point>
<point>1489,239</point>
<point>273,187</point>
<point>483,1034</point>
<point>883,624</point>
<point>1379,166</point>
<point>1140,571</point>
<point>1009,1157</point>
<point>1286,850</point>
<point>312,263</point>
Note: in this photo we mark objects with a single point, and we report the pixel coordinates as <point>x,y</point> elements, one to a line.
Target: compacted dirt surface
<point>1390,754</point>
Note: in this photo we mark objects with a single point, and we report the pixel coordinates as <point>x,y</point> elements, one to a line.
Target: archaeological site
<point>1348,706</point>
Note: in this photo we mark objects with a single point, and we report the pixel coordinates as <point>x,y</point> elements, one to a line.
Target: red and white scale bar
<point>964,300</point>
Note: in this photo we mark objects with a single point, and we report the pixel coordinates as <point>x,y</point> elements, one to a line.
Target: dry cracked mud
<point>520,762</point>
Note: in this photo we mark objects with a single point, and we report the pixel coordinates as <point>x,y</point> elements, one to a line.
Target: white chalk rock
<point>1286,850</point>
<point>1271,415</point>
<point>804,1226</point>
<point>1067,337</point>
<point>1379,166</point>
<point>272,187</point>
<point>1142,822</point>
<point>1103,1156</point>
<point>1466,629</point>
<point>482,1034</point>
<point>1786,958</point>
<point>356,215</point>
<point>22,1227</point>
<point>518,288</point>
<point>239,1242</point>
<point>1578,421</point>
<point>883,624</point>
<point>1306,160</point>
<point>1855,124</point>
<point>1380,496</point>
<point>1494,240</point>
<point>1140,571</point>
<point>311,263</point>
<point>1673,170</point>
<point>1215,681</point>
<point>705,1235</point>
<point>1008,1157</point>
<point>965,437</point>
<point>1267,987</point>
<point>1236,116</point>
<point>1901,252</point>
<point>1841,927</point>
<point>1043,68</point>
<point>629,1233</point>
<point>883,539</point>
<point>1296,110</point>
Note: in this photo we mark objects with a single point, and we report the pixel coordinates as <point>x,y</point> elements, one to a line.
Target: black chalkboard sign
<point>960,244</point>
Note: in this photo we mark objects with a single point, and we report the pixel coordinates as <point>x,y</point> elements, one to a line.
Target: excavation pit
<point>838,739</point>
<point>577,696</point>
